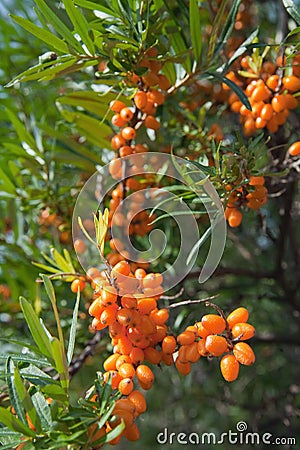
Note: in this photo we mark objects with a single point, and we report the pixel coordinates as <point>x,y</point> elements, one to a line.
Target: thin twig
<point>172,297</point>
<point>191,302</point>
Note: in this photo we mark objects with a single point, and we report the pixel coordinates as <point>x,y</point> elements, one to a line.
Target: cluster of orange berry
<point>127,305</point>
<point>48,220</point>
<point>253,195</point>
<point>205,339</point>
<point>271,94</point>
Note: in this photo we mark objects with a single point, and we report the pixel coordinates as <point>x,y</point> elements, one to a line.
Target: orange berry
<point>291,83</point>
<point>235,217</point>
<point>132,433</point>
<point>122,359</point>
<point>256,181</point>
<point>137,355</point>
<point>117,120</point>
<point>216,345</point>
<point>96,308</point>
<point>156,96</point>
<point>169,345</point>
<point>163,82</point>
<point>213,323</point>
<point>138,400</point>
<point>117,141</point>
<point>116,106</point>
<point>260,123</point>
<point>114,376</point>
<point>110,362</point>
<point>108,316</point>
<point>229,367</point>
<point>152,123</point>
<point>140,99</point>
<point>126,114</point>
<point>243,331</point>
<point>202,332</point>
<point>239,315</point>
<point>186,338</point>
<point>144,374</point>
<point>159,316</point>
<point>260,93</point>
<point>122,267</point>
<point>125,151</point>
<point>294,149</point>
<point>191,353</point>
<point>150,79</point>
<point>146,305</point>
<point>126,386</point>
<point>183,368</point>
<point>278,103</point>
<point>124,316</point>
<point>124,345</point>
<point>152,355</point>
<point>109,295</point>
<point>128,133</point>
<point>272,82</point>
<point>126,370</point>
<point>115,167</point>
<point>79,246</point>
<point>78,283</point>
<point>244,353</point>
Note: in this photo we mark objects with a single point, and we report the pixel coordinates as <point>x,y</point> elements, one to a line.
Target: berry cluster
<point>272,95</point>
<point>205,339</point>
<point>253,195</point>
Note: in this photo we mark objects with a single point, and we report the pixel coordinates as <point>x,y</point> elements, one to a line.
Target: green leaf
<point>6,185</point>
<point>14,424</point>
<point>72,337</point>
<point>42,409</point>
<point>81,25</point>
<point>37,331</point>
<point>195,29</point>
<point>292,9</point>
<point>23,134</point>
<point>239,92</point>
<point>96,132</point>
<point>54,391</point>
<point>58,25</point>
<point>15,399</point>
<point>51,294</point>
<point>26,400</point>
<point>217,25</point>
<point>61,262</point>
<point>228,26</point>
<point>43,35</point>
<point>45,267</point>
<point>60,363</point>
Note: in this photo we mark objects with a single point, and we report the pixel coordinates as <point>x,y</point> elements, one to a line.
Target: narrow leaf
<point>72,337</point>
<point>195,29</point>
<point>51,294</point>
<point>44,35</point>
<point>14,424</point>
<point>37,331</point>
<point>81,26</point>
<point>60,363</point>
<point>26,400</point>
<point>239,92</point>
<point>42,410</point>
<point>292,9</point>
<point>15,399</point>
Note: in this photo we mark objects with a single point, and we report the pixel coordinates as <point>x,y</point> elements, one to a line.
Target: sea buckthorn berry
<point>138,400</point>
<point>116,106</point>
<point>213,323</point>
<point>257,181</point>
<point>152,355</point>
<point>235,217</point>
<point>150,79</point>
<point>192,355</point>
<point>278,103</point>
<point>152,280</point>
<point>115,167</point>
<point>114,376</point>
<point>128,133</point>
<point>291,83</point>
<point>260,123</point>
<point>126,386</point>
<point>110,362</point>
<point>243,331</point>
<point>126,114</point>
<point>146,305</point>
<point>152,123</point>
<point>124,345</point>
<point>183,368</point>
<point>129,302</point>
<point>239,315</point>
<point>244,353</point>
<point>260,93</point>
<point>122,359</point>
<point>169,345</point>
<point>108,316</point>
<point>109,295</point>
<point>144,374</point>
<point>137,355</point>
<point>117,141</point>
<point>125,151</point>
<point>202,348</point>
<point>163,82</point>
<point>122,267</point>
<point>186,338</point>
<point>229,367</point>
<point>131,433</point>
<point>79,246</point>
<point>124,316</point>
<point>117,120</point>
<point>140,99</point>
<point>78,283</point>
<point>202,332</point>
<point>294,149</point>
<point>156,97</point>
<point>126,370</point>
<point>140,273</point>
<point>216,345</point>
